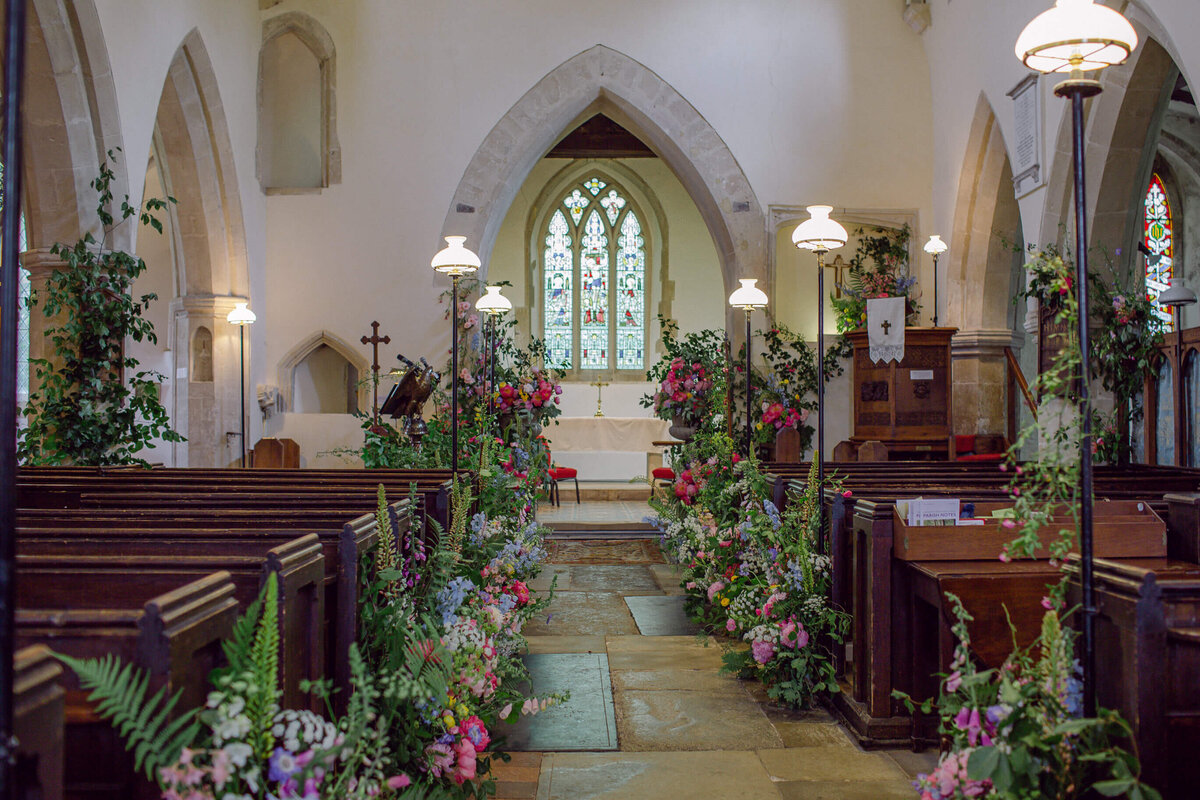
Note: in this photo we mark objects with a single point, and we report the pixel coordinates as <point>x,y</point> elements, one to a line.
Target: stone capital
<point>40,263</point>
<point>207,305</point>
<point>987,343</point>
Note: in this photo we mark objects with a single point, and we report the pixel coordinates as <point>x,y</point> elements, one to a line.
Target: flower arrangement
<point>536,394</point>
<point>879,268</point>
<point>683,393</point>
<point>758,575</point>
<point>1018,731</point>
<point>687,375</point>
<point>434,674</point>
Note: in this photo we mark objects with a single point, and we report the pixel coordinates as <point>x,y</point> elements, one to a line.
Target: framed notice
<point>1026,152</point>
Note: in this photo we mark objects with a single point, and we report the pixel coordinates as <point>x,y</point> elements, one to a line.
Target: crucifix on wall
<point>375,340</point>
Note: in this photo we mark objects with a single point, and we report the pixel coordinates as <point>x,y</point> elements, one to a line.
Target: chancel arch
<point>602,80</point>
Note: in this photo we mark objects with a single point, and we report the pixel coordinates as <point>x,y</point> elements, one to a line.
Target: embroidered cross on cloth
<point>885,329</point>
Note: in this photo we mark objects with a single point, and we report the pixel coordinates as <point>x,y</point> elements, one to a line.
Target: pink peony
<point>763,651</point>
<point>712,590</point>
<point>465,761</point>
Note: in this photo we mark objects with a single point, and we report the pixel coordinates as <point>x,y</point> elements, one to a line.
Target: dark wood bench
<point>39,709</point>
<point>171,629</point>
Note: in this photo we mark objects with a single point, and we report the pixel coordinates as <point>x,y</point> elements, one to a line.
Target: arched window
<point>594,281</point>
<point>1159,236</point>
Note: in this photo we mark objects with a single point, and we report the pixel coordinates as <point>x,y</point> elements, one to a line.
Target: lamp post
<point>1075,37</point>
<point>454,260</point>
<point>820,234</point>
<point>494,305</point>
<point>935,247</point>
<point>748,297</point>
<point>242,316</point>
<point>1176,297</point>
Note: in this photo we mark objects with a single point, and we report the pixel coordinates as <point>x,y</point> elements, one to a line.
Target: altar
<point>605,448</point>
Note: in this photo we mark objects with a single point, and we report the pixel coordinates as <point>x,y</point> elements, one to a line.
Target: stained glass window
<point>1159,237</point>
<point>558,295</point>
<point>594,294</point>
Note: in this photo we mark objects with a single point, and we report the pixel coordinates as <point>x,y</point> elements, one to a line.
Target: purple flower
<point>283,765</point>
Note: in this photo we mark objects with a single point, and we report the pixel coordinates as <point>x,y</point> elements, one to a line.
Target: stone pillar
<point>41,264</point>
<point>981,380</point>
<point>205,377</point>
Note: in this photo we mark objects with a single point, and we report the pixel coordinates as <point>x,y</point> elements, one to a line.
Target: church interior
<point>782,400</point>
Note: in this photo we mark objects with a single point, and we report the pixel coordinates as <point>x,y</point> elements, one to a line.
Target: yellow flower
<point>448,720</point>
<point>724,601</point>
<point>463,711</point>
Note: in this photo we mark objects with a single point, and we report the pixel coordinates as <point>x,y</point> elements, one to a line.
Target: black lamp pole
<point>821,396</point>
<point>935,290</point>
<point>1077,91</point>
<point>749,389</point>
<point>454,377</point>
<point>14,73</point>
<point>242,371</point>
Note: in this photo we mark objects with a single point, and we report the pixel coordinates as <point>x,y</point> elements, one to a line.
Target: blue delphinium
<point>451,597</point>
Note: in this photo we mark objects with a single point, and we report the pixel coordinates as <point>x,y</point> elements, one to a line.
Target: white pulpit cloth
<point>885,328</point>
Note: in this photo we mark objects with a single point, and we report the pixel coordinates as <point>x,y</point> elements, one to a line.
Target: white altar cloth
<point>605,448</point>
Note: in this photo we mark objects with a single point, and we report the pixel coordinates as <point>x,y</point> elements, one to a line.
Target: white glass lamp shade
<point>455,258</point>
<point>748,295</point>
<point>1076,35</point>
<point>1177,295</point>
<point>935,246</point>
<point>492,302</point>
<point>819,232</point>
<point>241,315</point>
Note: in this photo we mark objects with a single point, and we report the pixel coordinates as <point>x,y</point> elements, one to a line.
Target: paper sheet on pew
<point>929,511</point>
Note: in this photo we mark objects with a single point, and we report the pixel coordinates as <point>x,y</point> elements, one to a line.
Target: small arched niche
<point>324,375</point>
<point>202,355</point>
<point>324,382</point>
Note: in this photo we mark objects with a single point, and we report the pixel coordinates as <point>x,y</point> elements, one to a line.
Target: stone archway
<point>195,156</point>
<point>602,80</point>
<point>1120,122</point>
<point>979,269</point>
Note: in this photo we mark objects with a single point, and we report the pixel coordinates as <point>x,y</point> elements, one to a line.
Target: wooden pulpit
<point>906,406</point>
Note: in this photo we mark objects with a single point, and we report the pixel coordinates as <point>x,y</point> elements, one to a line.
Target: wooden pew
<point>39,708</point>
<point>171,629</point>
<point>1148,661</point>
<point>91,574</point>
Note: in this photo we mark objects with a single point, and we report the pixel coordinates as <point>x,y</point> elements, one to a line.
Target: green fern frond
<point>262,701</point>
<point>238,646</point>
<point>119,692</point>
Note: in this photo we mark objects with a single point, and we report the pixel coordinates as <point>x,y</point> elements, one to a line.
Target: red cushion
<point>663,474</point>
<point>563,473</point>
<point>964,443</point>
<point>982,457</point>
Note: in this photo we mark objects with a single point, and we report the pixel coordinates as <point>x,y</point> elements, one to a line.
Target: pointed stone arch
<point>1120,121</point>
<point>979,278</point>
<point>603,80</point>
<point>192,148</point>
<point>291,360</point>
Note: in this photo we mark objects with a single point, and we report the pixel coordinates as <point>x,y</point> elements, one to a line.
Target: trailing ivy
<point>93,406</point>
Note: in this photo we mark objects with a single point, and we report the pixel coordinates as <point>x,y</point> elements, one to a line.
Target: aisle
<point>650,714</point>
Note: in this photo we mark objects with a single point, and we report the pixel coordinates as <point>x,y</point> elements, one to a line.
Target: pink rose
<point>465,752</point>
<point>712,590</point>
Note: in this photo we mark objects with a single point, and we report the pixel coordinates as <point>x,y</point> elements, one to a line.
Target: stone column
<point>205,403</point>
<point>981,380</point>
<point>41,264</point>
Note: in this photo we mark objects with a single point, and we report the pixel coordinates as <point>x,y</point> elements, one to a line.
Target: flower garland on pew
<point>751,572</point>
<point>1018,731</point>
<point>433,675</point>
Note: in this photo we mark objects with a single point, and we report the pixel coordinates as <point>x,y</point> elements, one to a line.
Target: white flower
<point>239,753</point>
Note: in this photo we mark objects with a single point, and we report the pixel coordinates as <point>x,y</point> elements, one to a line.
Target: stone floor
<point>593,511</point>
<point>651,715</point>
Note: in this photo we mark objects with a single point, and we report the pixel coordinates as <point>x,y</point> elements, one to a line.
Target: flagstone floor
<point>650,714</point>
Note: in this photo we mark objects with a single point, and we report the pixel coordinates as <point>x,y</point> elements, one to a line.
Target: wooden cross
<point>375,340</point>
<point>886,325</point>
<point>599,384</point>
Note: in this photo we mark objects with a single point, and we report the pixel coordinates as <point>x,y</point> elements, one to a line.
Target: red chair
<point>556,474</point>
<point>660,474</point>
<point>984,447</point>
